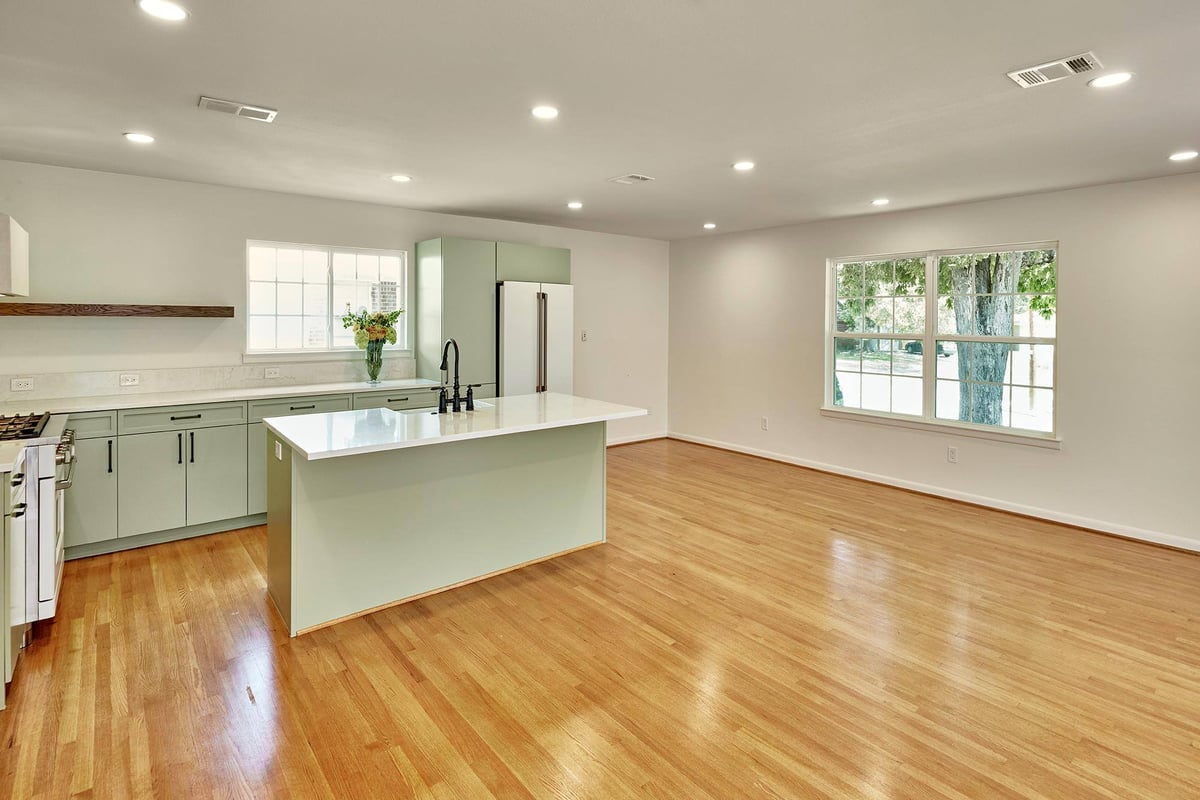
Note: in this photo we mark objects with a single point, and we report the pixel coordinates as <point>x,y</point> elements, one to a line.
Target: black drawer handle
<point>397,399</point>
<point>192,446</point>
<point>19,510</point>
<point>181,448</point>
<point>301,408</point>
<point>189,416</point>
<point>110,443</point>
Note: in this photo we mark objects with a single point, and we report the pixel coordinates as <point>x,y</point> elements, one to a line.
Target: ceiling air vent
<point>256,113</point>
<point>631,179</point>
<point>1055,70</point>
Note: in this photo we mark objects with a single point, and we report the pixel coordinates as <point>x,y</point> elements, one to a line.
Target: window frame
<point>407,326</point>
<point>928,420</point>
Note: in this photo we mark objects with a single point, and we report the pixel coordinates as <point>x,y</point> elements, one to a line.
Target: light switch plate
<point>279,451</point>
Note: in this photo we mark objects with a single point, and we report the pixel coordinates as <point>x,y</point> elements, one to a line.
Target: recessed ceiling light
<point>880,201</point>
<point>1111,79</point>
<point>545,112</point>
<point>163,9</point>
<point>140,138</point>
<point>708,226</point>
<point>401,178</point>
<point>1184,155</point>
<point>574,205</point>
<point>744,166</point>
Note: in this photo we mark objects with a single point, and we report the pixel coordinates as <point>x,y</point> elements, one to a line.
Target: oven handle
<point>66,482</point>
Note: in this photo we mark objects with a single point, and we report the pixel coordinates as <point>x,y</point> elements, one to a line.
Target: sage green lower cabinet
<point>175,478</point>
<point>152,486</point>
<point>256,468</point>
<point>422,397</point>
<point>216,474</point>
<point>91,503</point>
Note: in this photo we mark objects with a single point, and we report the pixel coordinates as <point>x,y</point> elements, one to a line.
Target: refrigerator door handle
<point>539,386</point>
<point>542,344</point>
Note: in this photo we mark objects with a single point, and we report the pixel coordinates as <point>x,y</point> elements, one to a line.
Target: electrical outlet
<point>583,336</point>
<point>272,372</point>
<point>763,424</point>
<point>21,385</point>
<point>952,455</point>
<point>129,379</point>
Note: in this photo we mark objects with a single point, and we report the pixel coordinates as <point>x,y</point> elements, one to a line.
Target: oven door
<point>50,535</point>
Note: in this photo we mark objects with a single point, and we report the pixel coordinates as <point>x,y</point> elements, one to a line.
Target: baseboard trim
<point>1087,523</point>
<point>159,537</point>
<point>649,437</point>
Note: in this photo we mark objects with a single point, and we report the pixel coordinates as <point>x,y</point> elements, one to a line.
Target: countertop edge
<point>456,437</point>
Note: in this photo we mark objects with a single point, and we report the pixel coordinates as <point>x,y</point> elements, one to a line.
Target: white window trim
<point>929,338</point>
<point>350,353</point>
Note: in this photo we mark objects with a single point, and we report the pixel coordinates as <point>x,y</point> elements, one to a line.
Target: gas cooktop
<point>22,426</point>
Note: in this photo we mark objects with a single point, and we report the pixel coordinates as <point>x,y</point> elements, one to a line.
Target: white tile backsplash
<point>89,384</point>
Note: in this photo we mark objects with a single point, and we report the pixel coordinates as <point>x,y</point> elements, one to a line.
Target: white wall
<point>747,338</point>
<point>100,237</point>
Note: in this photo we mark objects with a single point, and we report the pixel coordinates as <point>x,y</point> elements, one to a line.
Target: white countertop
<point>347,433</point>
<point>72,405</point>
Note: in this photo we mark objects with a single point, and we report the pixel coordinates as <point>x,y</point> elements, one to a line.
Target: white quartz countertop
<point>73,405</point>
<point>347,433</point>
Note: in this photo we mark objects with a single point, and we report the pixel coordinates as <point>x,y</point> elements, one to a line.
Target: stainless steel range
<point>36,563</point>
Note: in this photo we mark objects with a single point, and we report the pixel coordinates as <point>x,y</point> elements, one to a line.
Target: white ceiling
<point>838,102</point>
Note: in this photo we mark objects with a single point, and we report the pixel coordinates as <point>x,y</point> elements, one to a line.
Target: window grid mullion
<point>929,341</point>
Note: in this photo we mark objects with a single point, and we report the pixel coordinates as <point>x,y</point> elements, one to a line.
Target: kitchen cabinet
<point>256,468</point>
<point>256,437</point>
<point>216,474</point>
<point>421,397</point>
<point>532,263</point>
<point>456,298</point>
<point>171,479</point>
<point>90,504</point>
<point>152,487</point>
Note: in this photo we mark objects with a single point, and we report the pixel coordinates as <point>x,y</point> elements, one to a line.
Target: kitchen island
<point>367,509</point>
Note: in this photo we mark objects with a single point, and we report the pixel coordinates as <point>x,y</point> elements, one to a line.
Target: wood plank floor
<point>751,630</point>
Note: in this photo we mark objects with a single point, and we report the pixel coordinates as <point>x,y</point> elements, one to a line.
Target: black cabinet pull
<point>189,416</point>
<point>301,408</point>
<point>192,446</point>
<point>181,448</point>
<point>397,399</point>
<point>110,456</point>
<point>19,510</point>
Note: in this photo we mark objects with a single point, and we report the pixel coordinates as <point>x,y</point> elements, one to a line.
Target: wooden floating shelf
<point>110,310</point>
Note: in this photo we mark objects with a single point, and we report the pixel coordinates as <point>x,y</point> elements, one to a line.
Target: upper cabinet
<point>14,258</point>
<point>456,299</point>
<point>531,263</point>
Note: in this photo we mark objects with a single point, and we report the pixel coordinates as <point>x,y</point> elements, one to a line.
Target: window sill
<point>1031,439</point>
<point>294,356</point>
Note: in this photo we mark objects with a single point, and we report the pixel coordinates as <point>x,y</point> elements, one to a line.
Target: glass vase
<point>374,360</point>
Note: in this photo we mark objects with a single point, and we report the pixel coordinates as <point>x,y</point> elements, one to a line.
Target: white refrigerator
<point>537,338</point>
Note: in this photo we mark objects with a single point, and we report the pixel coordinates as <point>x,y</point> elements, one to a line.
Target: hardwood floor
<point>751,630</point>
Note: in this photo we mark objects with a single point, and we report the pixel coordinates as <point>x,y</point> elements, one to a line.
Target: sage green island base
<point>356,533</point>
